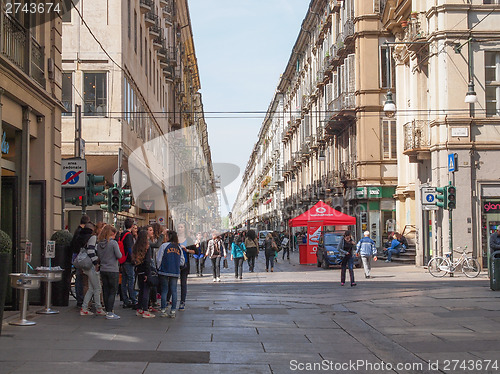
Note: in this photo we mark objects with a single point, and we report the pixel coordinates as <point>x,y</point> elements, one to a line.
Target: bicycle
<point>440,266</point>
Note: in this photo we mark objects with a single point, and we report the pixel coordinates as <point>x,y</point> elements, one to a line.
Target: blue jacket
<point>238,250</point>
<point>395,244</point>
<point>366,247</point>
<point>168,260</point>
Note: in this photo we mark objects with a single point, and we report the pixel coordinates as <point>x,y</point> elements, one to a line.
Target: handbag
<point>153,279</point>
<point>226,265</point>
<point>82,261</point>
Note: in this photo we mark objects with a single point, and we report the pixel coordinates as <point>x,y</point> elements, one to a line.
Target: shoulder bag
<point>82,261</point>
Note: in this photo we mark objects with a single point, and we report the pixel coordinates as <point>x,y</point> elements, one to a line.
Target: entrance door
<point>9,224</point>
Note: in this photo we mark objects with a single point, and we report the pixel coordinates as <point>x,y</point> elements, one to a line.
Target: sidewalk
<point>275,323</point>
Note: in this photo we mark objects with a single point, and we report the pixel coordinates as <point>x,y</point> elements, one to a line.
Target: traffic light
<point>126,200</point>
<point>93,190</point>
<point>451,196</point>
<point>114,199</point>
<point>442,197</point>
<point>106,205</point>
<point>77,201</point>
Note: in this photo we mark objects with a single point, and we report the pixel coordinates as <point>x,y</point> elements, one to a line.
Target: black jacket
<point>128,243</point>
<point>145,266</point>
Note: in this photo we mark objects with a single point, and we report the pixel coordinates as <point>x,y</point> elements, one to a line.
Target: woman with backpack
<point>142,259</point>
<point>252,246</point>
<point>109,254</point>
<point>238,253</point>
<point>270,251</point>
<point>169,261</point>
<point>346,247</point>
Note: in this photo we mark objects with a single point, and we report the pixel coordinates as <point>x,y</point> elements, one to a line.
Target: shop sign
<point>5,143</point>
<point>490,207</point>
<point>374,192</point>
<point>361,192</point>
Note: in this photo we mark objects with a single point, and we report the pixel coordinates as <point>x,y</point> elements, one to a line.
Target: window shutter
<point>351,74</point>
<point>335,86</point>
<point>307,126</point>
<point>329,93</point>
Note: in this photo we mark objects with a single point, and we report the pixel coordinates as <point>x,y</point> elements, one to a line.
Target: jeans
<point>347,261</point>
<point>286,249</point>
<point>109,289</point>
<point>79,287</point>
<point>200,265</point>
<point>238,266</point>
<point>251,263</point>
<point>270,260</point>
<point>216,267</point>
<point>94,289</point>
<point>144,289</point>
<point>367,265</point>
<point>184,284</point>
<point>390,252</point>
<point>128,277</point>
<point>168,284</point>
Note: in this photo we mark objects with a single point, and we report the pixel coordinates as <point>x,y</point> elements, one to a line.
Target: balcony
<point>146,5</point>
<point>416,140</point>
<point>415,32</point>
<point>22,49</point>
<point>168,12</point>
<point>167,56</point>
<point>347,171</point>
<point>158,43</point>
<point>348,29</point>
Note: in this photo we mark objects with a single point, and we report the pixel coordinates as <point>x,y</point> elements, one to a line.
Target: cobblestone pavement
<point>296,319</point>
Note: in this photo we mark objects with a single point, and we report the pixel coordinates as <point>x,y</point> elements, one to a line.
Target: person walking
<point>346,248</point>
<point>270,251</point>
<point>199,254</point>
<point>128,276</point>
<point>238,253</point>
<point>366,249</point>
<point>156,238</point>
<point>142,259</point>
<point>76,244</point>
<point>285,246</point>
<point>495,240</point>
<point>252,246</point>
<point>216,251</point>
<point>187,246</point>
<point>94,280</point>
<point>169,261</point>
<point>109,254</point>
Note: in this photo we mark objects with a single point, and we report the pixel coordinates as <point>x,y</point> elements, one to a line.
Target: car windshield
<point>332,239</point>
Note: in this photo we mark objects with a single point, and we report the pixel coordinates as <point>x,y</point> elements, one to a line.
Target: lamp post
<point>389,106</point>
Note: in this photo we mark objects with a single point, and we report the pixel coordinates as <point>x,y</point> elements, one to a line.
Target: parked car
<point>327,254</point>
<point>262,237</point>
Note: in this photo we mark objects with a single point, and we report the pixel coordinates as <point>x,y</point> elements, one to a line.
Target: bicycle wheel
<point>471,268</point>
<point>438,266</point>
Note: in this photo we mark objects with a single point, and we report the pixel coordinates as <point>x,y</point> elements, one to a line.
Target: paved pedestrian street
<point>296,319</point>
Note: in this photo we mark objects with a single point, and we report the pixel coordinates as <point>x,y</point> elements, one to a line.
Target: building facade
<point>133,70</point>
<point>333,142</point>
<point>30,124</point>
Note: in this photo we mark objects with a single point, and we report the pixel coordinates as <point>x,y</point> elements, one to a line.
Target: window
<point>146,57</point>
<point>389,139</point>
<point>67,93</point>
<point>149,68</point>
<point>492,77</point>
<point>94,94</point>
<point>491,1</point>
<point>387,68</point>
<point>66,16</point>
<point>129,20</point>
<point>135,32</point>
<point>140,38</point>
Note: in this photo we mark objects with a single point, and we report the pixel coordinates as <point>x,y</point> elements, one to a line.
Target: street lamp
<point>470,96</point>
<point>321,156</point>
<point>389,106</point>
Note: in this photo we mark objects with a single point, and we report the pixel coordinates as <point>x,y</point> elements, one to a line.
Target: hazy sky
<point>242,47</point>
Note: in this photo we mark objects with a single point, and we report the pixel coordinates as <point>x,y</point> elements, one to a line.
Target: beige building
<point>334,142</point>
<point>30,126</point>
<point>444,50</point>
<point>133,70</point>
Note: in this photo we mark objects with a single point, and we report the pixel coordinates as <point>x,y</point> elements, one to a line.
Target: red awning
<point>324,213</point>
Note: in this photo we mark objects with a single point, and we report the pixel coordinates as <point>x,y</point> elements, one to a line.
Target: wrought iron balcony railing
<point>416,136</point>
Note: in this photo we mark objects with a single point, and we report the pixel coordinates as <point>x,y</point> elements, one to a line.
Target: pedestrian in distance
<point>188,249</point>
<point>216,251</point>
<point>109,254</point>
<point>94,280</point>
<point>142,259</point>
<point>169,261</point>
<point>238,253</point>
<point>76,244</point>
<point>252,246</point>
<point>367,250</point>
<point>128,276</point>
<point>199,255</point>
<point>156,238</point>
<point>395,247</point>
<point>346,249</point>
<point>270,251</point>
<point>285,246</point>
<point>495,240</point>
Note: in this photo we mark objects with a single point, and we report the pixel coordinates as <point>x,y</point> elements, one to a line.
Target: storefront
<point>490,221</point>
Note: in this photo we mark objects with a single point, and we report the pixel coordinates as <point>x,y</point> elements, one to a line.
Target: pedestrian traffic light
<point>106,205</point>
<point>114,198</point>
<point>441,196</point>
<point>74,200</point>
<point>451,196</point>
<point>93,190</point>
<point>126,200</point>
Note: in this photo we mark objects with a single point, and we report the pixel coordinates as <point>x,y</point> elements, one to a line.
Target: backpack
<point>122,259</point>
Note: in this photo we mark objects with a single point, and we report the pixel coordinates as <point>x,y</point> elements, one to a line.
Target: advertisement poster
<point>313,235</point>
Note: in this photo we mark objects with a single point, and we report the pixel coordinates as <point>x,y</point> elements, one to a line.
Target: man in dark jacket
<point>75,246</point>
<point>128,277</point>
<point>495,240</point>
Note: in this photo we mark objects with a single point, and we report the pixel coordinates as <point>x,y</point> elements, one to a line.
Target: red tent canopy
<point>324,213</point>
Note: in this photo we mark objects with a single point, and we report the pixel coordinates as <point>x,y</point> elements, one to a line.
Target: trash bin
<point>60,290</point>
<point>495,271</point>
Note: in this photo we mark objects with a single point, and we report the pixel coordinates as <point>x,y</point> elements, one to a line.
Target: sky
<point>242,47</point>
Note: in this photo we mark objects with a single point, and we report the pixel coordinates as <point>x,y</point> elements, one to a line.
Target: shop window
<point>492,77</point>
<point>389,139</point>
<point>67,93</point>
<point>95,94</point>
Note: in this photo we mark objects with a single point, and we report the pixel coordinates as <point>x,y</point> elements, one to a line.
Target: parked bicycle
<point>440,266</point>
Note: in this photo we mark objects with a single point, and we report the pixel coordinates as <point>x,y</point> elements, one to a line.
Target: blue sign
<point>451,162</point>
<point>71,179</point>
<point>429,198</point>
<point>5,144</point>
